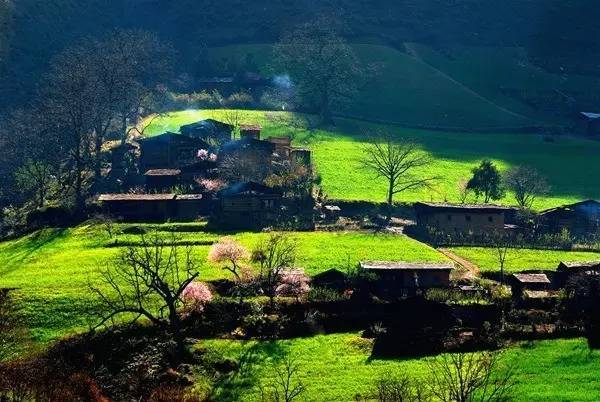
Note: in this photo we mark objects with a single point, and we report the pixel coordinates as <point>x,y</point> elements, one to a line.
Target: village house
<point>159,180</point>
<point>210,131</point>
<point>249,204</point>
<point>532,286</point>
<point>248,146</point>
<point>569,269</point>
<point>589,124</point>
<point>250,131</point>
<point>580,218</point>
<point>462,218</point>
<point>403,278</point>
<point>155,207</point>
<point>169,151</point>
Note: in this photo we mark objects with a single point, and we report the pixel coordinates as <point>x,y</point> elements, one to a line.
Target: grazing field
<point>567,163</point>
<point>339,367</point>
<point>461,86</point>
<point>522,259</point>
<point>52,268</point>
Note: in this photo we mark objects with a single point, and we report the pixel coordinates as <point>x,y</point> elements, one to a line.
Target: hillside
<point>39,29</point>
<point>567,163</point>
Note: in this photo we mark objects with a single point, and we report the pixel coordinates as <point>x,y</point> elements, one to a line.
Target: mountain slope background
<point>430,43</point>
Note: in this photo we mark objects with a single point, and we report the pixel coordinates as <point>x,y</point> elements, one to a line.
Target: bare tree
<point>463,190</point>
<point>147,281</point>
<point>234,118</point>
<point>285,387</point>
<point>465,377</point>
<point>274,255</point>
<point>321,64</point>
<point>503,244</point>
<point>399,389</point>
<point>397,162</point>
<point>526,184</point>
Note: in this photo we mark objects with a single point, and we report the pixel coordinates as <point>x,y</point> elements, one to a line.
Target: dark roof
<point>163,172</point>
<point>136,197</point>
<point>188,197</point>
<point>250,127</point>
<point>570,207</point>
<point>578,265</point>
<point>169,137</point>
<point>248,188</point>
<point>531,278</point>
<point>208,125</point>
<point>406,266</point>
<point>443,206</point>
<point>590,115</point>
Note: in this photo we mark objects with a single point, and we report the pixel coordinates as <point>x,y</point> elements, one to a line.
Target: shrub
<point>196,295</point>
<point>322,294</point>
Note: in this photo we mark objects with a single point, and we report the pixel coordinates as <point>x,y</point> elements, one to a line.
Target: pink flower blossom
<point>293,283</point>
<point>196,295</point>
<point>202,154</point>
<point>227,250</point>
<point>211,185</point>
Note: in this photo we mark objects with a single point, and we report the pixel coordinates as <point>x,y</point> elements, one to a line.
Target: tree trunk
<point>390,201</point>
<point>98,155</point>
<point>326,116</point>
<point>175,325</point>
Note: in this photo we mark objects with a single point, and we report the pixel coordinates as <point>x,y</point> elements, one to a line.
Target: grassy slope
<point>464,87</point>
<point>338,367</point>
<point>568,163</point>
<point>522,259</point>
<point>52,268</point>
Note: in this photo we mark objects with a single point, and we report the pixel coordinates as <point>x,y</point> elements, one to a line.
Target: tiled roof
<point>401,265</point>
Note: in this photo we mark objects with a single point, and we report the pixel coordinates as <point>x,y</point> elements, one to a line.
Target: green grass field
<point>338,367</point>
<point>460,86</point>
<point>52,268</point>
<point>522,259</point>
<point>568,163</point>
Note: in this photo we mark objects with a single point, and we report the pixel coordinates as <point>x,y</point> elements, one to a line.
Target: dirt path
<point>472,269</point>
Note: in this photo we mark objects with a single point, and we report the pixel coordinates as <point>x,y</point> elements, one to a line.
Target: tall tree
<point>487,181</point>
<point>68,97</point>
<point>526,184</point>
<point>321,64</point>
<point>398,162</point>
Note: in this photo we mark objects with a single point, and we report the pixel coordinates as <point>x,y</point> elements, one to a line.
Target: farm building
<point>283,145</point>
<point>396,277</point>
<point>581,218</point>
<point>248,146</point>
<point>162,179</point>
<point>522,284</point>
<point>589,123</point>
<point>462,218</point>
<point>250,131</point>
<point>567,270</point>
<point>249,204</point>
<point>155,207</point>
<point>209,130</point>
<point>169,151</point>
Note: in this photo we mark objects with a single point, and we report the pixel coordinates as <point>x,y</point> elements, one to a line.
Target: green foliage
<point>487,181</point>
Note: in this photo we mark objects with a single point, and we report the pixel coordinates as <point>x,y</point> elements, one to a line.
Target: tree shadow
<point>252,362</point>
<point>22,249</point>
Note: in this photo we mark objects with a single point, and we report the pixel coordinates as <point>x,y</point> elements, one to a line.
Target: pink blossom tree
<point>195,296</point>
<point>293,283</point>
<point>229,253</point>
<point>204,155</point>
<point>211,185</point>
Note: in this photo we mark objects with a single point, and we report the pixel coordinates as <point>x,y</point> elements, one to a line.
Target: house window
<point>490,219</point>
<point>468,218</point>
<point>449,217</point>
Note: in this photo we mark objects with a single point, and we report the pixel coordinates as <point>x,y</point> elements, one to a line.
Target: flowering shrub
<point>211,185</point>
<point>204,155</point>
<point>293,283</point>
<point>196,295</point>
<point>229,251</point>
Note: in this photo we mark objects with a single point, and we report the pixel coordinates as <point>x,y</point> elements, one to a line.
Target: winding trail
<point>472,269</point>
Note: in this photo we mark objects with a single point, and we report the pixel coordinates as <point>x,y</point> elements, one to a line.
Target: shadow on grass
<point>19,251</point>
<point>252,362</point>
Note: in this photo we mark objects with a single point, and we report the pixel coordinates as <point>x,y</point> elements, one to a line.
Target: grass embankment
<point>338,367</point>
<point>521,259</point>
<point>52,268</point>
<point>568,163</point>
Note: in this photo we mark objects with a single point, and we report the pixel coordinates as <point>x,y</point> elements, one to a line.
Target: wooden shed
<point>398,276</point>
<point>169,151</point>
<point>162,179</point>
<point>581,218</point>
<point>139,207</point>
<point>529,282</point>
<point>249,204</point>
